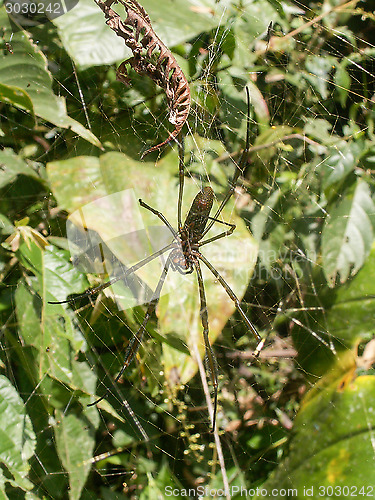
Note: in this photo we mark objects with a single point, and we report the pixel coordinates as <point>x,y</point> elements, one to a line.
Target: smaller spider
<point>185,257</point>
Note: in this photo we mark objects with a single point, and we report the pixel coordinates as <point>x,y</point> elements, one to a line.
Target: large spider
<point>185,257</point>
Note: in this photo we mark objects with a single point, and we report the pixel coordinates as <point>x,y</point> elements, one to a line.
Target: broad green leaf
<point>27,83</point>
<point>271,138</point>
<point>321,130</point>
<point>350,317</point>
<point>332,442</point>
<point>17,437</point>
<point>16,97</point>
<point>343,316</point>
<point>52,365</point>
<point>348,235</point>
<point>259,221</point>
<point>3,495</point>
<point>53,337</point>
<point>6,227</point>
<point>319,69</point>
<point>342,83</point>
<point>12,165</point>
<point>91,42</point>
<point>75,442</point>
<point>117,217</point>
<point>278,6</point>
<point>226,40</point>
<point>251,23</point>
<point>235,104</point>
<point>340,160</point>
<point>51,329</point>
<point>162,485</point>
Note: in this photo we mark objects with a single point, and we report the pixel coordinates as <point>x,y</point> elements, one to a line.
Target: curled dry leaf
<point>151,58</point>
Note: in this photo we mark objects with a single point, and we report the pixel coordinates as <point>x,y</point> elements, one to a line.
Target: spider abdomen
<point>199,212</point>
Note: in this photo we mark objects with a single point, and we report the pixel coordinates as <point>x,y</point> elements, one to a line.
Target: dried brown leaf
<point>151,57</point>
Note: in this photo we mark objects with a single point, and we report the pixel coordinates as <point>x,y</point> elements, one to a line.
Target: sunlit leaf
<point>278,6</point>
<point>342,317</point>
<point>11,165</point>
<point>54,335</point>
<point>339,161</point>
<point>318,75</point>
<point>336,421</point>
<point>90,42</point>
<point>17,437</point>
<point>75,442</point>
<point>348,235</point>
<point>17,97</point>
<point>27,83</point>
<point>250,24</point>
<point>343,82</point>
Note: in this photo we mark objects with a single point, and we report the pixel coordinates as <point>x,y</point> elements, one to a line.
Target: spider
<point>185,257</point>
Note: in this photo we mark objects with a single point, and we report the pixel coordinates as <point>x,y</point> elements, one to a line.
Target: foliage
<point>72,137</point>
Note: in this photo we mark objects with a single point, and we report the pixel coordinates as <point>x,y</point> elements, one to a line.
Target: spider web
<point>303,207</point>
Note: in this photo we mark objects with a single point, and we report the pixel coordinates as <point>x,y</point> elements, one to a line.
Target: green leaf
<point>6,227</point>
<point>332,443</point>
<point>278,6</point>
<point>250,22</point>
<point>226,40</point>
<point>343,317</point>
<point>53,339</point>
<point>12,165</point>
<point>350,317</point>
<point>75,441</point>
<point>354,305</point>
<point>163,485</point>
<point>17,97</point>
<point>26,83</point>
<point>271,138</point>
<point>259,221</point>
<point>17,438</point>
<point>52,366</point>
<point>340,160</point>
<point>348,235</point>
<point>234,106</point>
<point>321,130</point>
<point>319,69</point>
<point>342,83</point>
<point>51,329</point>
<point>90,42</point>
<point>3,495</point>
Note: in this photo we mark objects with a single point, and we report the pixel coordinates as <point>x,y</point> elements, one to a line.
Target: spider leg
<point>235,299</point>
<point>211,361</point>
<point>97,289</point>
<point>136,340</point>
<point>221,235</point>
<point>181,177</point>
<point>239,167</point>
